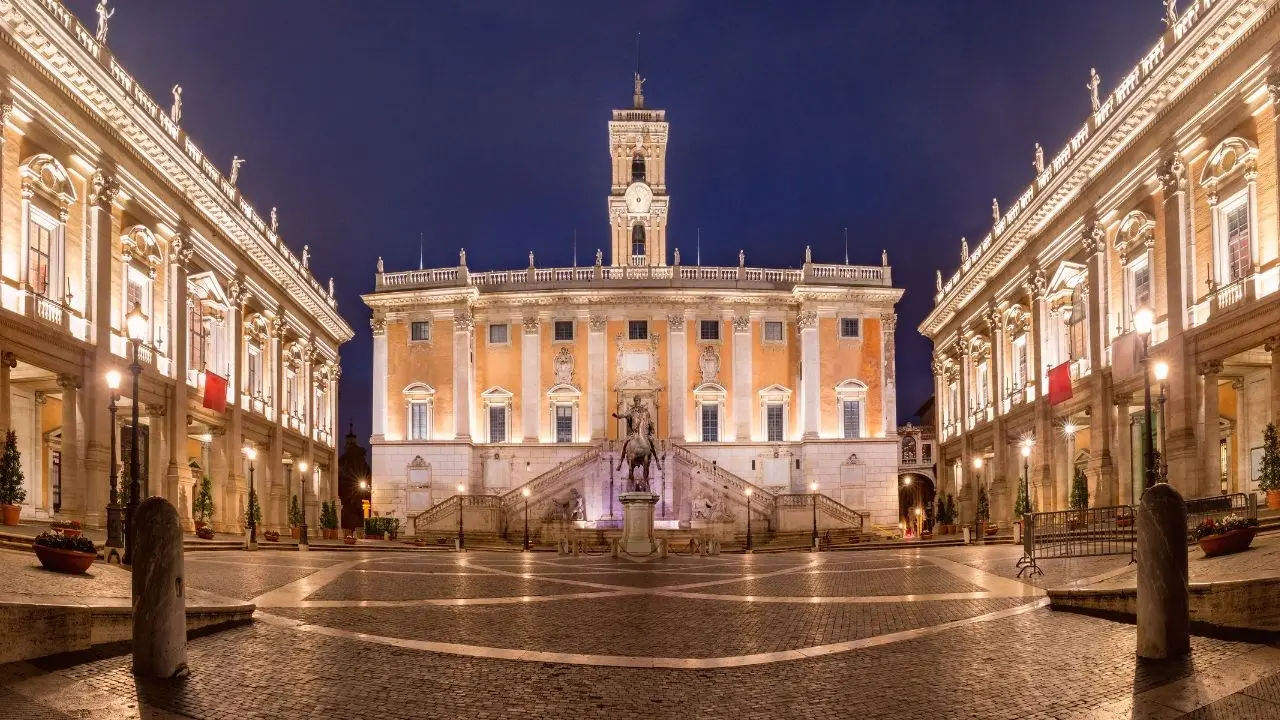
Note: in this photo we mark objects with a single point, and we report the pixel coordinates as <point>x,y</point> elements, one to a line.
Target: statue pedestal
<point>637,522</point>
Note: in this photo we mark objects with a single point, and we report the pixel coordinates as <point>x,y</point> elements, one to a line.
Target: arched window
<point>637,168</point>
<point>637,244</point>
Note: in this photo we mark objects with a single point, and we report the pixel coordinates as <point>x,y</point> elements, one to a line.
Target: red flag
<point>215,392</point>
<point>1060,384</point>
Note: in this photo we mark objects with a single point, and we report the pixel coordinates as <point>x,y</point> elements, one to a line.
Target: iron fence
<point>1062,534</point>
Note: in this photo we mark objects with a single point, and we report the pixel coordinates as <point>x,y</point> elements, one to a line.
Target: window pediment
<point>44,174</point>
<point>851,389</point>
<point>1231,157</point>
<point>1137,233</point>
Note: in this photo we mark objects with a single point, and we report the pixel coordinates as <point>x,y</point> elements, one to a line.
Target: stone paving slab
<point>906,581</point>
<point>380,586</point>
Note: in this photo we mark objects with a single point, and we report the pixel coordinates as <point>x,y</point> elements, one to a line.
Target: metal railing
<point>1062,534</point>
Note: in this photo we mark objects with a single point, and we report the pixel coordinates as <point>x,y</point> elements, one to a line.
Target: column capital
<point>1036,285</point>
<point>1210,367</point>
<point>1173,174</point>
<point>6,109</point>
<point>675,322</point>
<point>597,323</point>
<point>378,324</point>
<point>741,324</point>
<point>1122,399</point>
<point>806,320</point>
<point>1272,344</point>
<point>105,188</point>
<point>464,322</point>
<point>1094,237</point>
<point>67,381</point>
<point>532,326</point>
<point>1273,89</point>
<point>8,360</point>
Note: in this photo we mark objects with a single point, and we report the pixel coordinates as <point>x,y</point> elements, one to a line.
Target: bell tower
<point>638,202</point>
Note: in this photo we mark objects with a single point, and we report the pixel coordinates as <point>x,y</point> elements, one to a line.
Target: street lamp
<point>813,493</point>
<point>1143,320</point>
<point>302,490</point>
<point>1026,473</point>
<point>748,493</point>
<point>136,327</point>
<point>525,492</point>
<point>113,502</point>
<point>1162,374</point>
<point>251,454</point>
<point>461,488</point>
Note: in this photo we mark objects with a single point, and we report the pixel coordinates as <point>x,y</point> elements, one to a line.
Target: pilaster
<point>677,371</point>
<point>742,401</point>
<point>73,489</point>
<point>379,326</point>
<point>810,373</point>
<point>596,376</point>
<point>530,379</point>
<point>463,333</point>
<point>1210,479</point>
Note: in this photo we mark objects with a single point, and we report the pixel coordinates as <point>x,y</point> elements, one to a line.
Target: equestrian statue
<point>639,449</point>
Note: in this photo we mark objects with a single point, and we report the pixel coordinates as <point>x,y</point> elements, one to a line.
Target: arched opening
<point>637,168</point>
<point>638,252</point>
<point>916,492</point>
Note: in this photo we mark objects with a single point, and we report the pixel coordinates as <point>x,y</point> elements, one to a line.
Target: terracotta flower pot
<point>293,532</point>
<point>1124,521</point>
<point>992,530</point>
<point>1273,501</point>
<point>71,532</point>
<point>10,513</point>
<point>349,540</point>
<point>64,561</point>
<point>1227,543</point>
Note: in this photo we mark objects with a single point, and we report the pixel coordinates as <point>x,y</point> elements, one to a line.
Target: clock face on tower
<point>638,196</point>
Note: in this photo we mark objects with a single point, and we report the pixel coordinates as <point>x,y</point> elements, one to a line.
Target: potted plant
<point>951,513</point>
<point>984,511</point>
<point>381,528</point>
<point>64,553</point>
<point>12,492</point>
<point>202,504</point>
<point>254,511</point>
<point>271,536</point>
<point>1079,499</point>
<point>1229,535</point>
<point>295,517</point>
<point>1269,479</point>
<point>329,519</point>
<point>1124,517</point>
<point>70,528</point>
<point>205,533</point>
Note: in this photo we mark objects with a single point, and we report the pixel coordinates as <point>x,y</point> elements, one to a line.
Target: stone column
<point>234,485</point>
<point>1122,441</point>
<point>1101,470</point>
<point>178,480</point>
<point>463,329</point>
<point>6,112</point>
<point>677,372</point>
<point>1273,346</point>
<point>888,372</point>
<point>1036,286</point>
<point>379,326</point>
<point>596,374</point>
<point>1181,452</point>
<point>8,361</point>
<point>743,402</point>
<point>1210,480</point>
<point>157,450</point>
<point>220,472</point>
<point>73,489</point>
<point>810,374</point>
<point>531,380</point>
<point>105,190</point>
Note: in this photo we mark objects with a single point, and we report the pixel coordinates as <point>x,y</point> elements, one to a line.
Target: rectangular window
<point>497,423</point>
<point>1236,224</point>
<point>709,330</point>
<point>255,370</point>
<point>851,410</point>
<point>419,429</point>
<point>290,391</point>
<point>498,334</point>
<point>710,422</point>
<point>773,331</point>
<point>197,334</point>
<point>564,423</point>
<point>40,270</point>
<point>1019,362</point>
<point>420,330</point>
<point>638,330</point>
<point>848,327</point>
<point>1140,284</point>
<point>564,330</point>
<point>981,398</point>
<point>773,422</point>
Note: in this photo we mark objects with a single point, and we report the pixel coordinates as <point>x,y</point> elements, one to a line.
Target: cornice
<point>646,297</point>
<point>66,52</point>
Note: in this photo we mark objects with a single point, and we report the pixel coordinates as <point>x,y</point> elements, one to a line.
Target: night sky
<point>483,124</point>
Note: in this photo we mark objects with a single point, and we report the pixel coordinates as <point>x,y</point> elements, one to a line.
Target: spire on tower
<point>637,93</point>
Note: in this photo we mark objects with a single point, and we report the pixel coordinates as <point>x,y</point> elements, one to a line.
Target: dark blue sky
<point>483,124</point>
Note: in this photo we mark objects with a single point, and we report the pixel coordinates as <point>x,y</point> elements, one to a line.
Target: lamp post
<point>1161,369</point>
<point>1026,474</point>
<point>813,494</point>
<point>251,454</point>
<point>748,493</point>
<point>461,488</point>
<point>525,492</point>
<point>302,490</point>
<point>113,502</point>
<point>977,475</point>
<point>1142,323</point>
<point>136,326</point>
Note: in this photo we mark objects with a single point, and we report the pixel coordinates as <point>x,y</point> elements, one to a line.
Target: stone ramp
<point>1232,593</point>
<point>45,613</point>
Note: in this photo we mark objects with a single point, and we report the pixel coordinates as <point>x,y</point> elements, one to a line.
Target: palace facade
<point>106,204</point>
<point>771,380</point>
<point>1164,205</point>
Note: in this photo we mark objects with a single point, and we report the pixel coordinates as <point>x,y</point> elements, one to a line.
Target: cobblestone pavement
<point>487,635</point>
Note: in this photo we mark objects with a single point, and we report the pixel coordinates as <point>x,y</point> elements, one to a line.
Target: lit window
<point>564,330</point>
<point>420,330</point>
<point>419,420</point>
<point>255,371</point>
<point>497,423</point>
<point>1077,328</point>
<point>710,422</point>
<point>851,419</point>
<point>564,423</point>
<point>848,327</point>
<point>773,331</point>
<point>1019,363</point>
<point>773,420</point>
<point>1236,224</point>
<point>1140,283</point>
<point>498,334</point>
<point>709,330</point>
<point>638,330</point>
<point>44,255</point>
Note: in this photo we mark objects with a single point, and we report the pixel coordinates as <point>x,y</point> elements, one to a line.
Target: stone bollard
<point>1164,616</point>
<point>159,595</point>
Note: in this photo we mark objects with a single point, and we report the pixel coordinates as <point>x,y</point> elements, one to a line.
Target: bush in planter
<point>205,533</point>
<point>951,509</point>
<point>254,511</point>
<point>376,527</point>
<point>202,503</point>
<point>295,512</point>
<point>1079,491</point>
<point>12,492</point>
<point>1269,478</point>
<point>1022,505</point>
<point>984,506</point>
